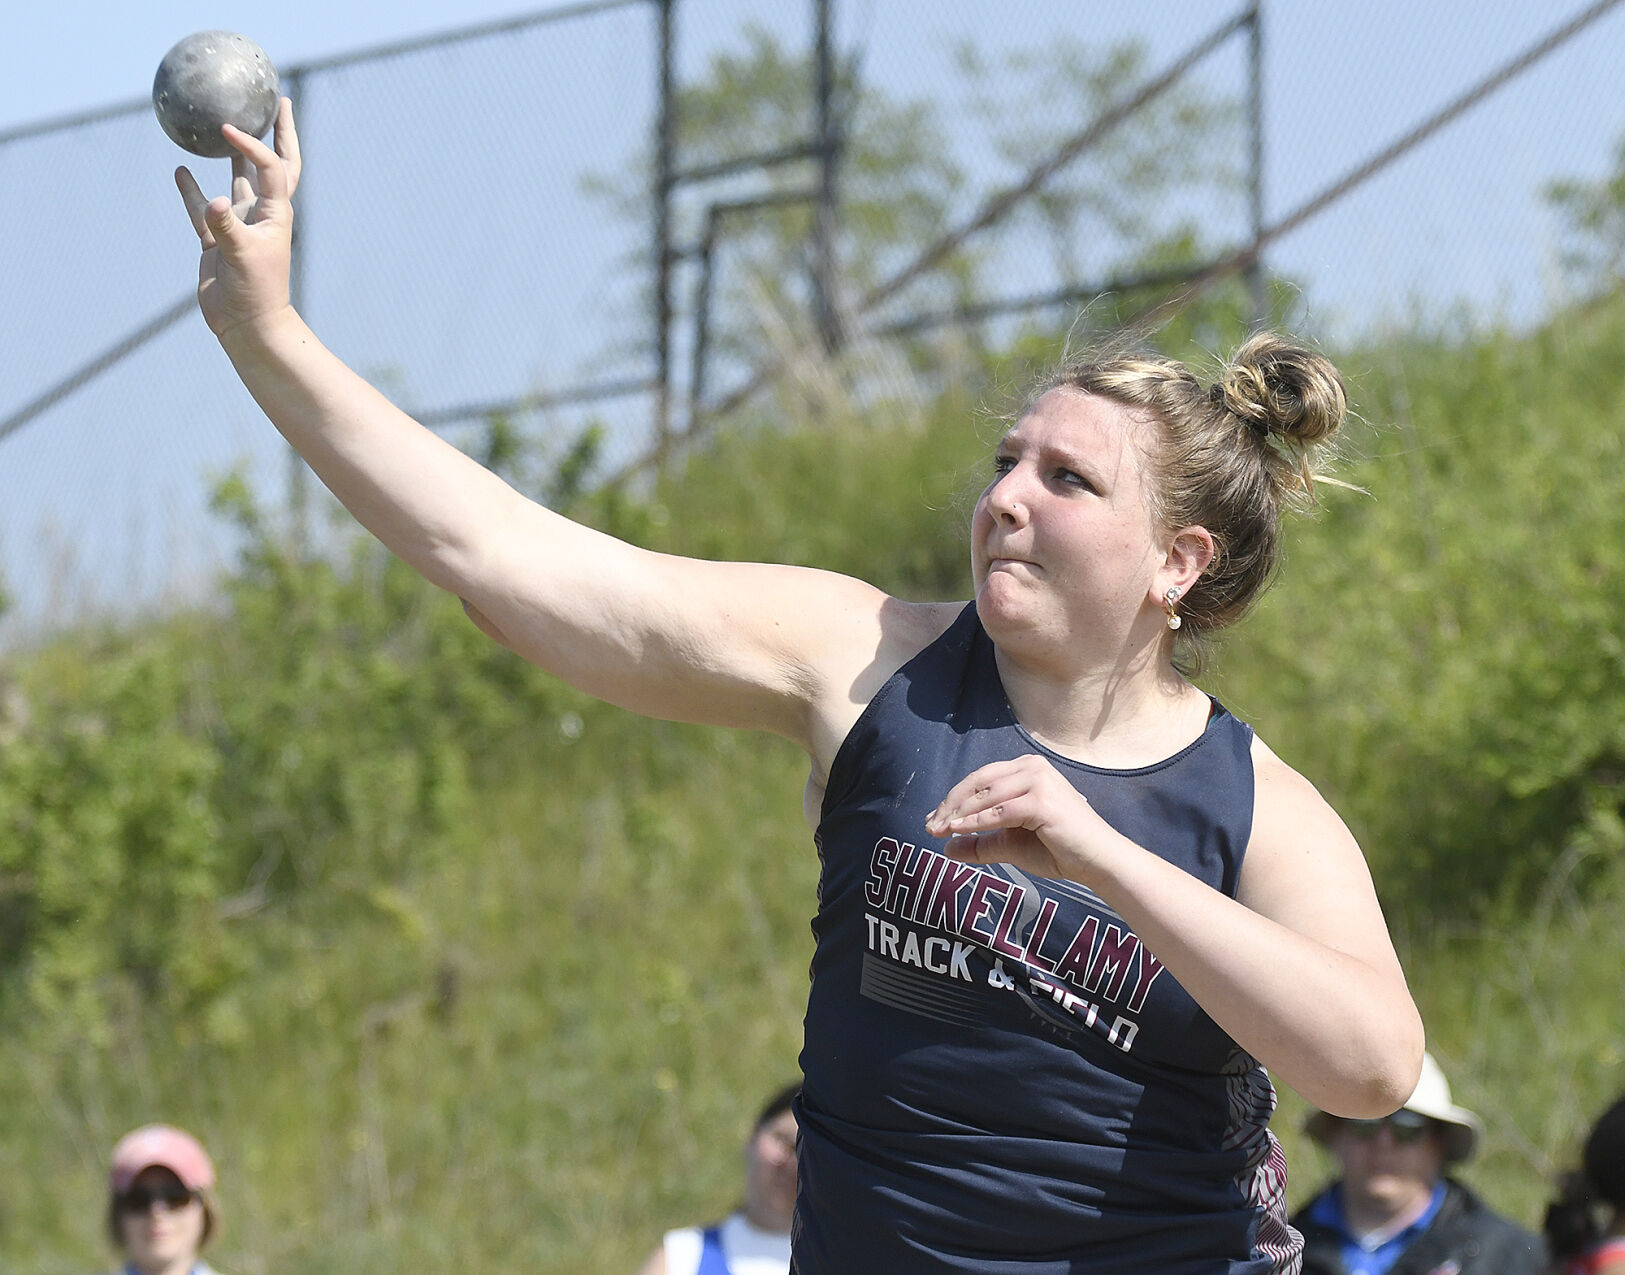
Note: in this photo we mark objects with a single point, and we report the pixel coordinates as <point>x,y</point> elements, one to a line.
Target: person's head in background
<point>161,1207</point>
<point>1590,1205</point>
<point>770,1164</point>
<point>1390,1167</point>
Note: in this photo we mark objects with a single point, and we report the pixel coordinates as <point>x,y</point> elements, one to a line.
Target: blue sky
<point>113,480</point>
<point>1342,80</point>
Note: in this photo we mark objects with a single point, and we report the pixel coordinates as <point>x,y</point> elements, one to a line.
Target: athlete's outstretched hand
<point>1022,812</point>
<point>246,238</point>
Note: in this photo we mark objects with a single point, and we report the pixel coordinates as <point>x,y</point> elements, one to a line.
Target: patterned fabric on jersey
<point>999,1078</point>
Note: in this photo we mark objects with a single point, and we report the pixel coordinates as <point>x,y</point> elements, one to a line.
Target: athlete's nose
<point>1007,497</point>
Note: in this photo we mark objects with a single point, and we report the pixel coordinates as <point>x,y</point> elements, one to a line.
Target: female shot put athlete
<point>1070,909</point>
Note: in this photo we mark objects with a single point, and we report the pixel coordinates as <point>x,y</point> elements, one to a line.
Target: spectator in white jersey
<point>755,1238</point>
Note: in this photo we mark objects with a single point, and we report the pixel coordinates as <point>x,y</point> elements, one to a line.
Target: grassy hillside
<point>451,966</point>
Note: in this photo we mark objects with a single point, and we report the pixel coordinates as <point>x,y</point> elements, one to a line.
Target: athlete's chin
<point>1004,578</point>
<point>1002,607</point>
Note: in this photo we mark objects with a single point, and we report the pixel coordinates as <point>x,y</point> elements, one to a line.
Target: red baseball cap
<point>167,1147</point>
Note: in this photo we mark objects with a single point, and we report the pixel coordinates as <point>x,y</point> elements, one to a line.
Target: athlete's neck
<point>1122,718</point>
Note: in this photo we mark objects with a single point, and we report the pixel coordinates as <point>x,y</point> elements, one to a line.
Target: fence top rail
<point>371,53</point>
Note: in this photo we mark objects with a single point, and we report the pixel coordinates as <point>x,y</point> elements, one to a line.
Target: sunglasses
<point>173,1197</point>
<point>1404,1127</point>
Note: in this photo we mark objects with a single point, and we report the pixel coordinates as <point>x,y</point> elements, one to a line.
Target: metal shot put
<point>214,78</point>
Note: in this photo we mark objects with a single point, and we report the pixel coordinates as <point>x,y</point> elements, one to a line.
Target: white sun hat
<point>1430,1098</point>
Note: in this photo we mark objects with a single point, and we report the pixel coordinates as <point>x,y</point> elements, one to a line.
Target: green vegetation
<point>452,967</point>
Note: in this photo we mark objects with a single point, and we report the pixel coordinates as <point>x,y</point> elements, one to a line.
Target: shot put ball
<point>214,78</point>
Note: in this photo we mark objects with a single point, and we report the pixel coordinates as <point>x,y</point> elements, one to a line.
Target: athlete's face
<point>1063,541</point>
<point>770,1173</point>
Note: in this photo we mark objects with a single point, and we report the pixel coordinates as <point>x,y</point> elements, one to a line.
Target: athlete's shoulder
<point>1282,789</point>
<point>1296,836</point>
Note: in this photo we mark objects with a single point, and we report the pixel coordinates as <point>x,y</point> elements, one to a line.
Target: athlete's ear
<point>1190,553</point>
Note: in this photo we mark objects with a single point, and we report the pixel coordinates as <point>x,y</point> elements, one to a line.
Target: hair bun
<point>1281,388</point>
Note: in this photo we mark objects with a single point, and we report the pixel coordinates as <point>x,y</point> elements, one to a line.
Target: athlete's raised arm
<point>764,646</point>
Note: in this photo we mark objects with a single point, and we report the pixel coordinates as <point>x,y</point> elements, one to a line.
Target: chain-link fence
<point>490,224</point>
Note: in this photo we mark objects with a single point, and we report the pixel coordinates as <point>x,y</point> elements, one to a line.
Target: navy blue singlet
<point>999,1078</point>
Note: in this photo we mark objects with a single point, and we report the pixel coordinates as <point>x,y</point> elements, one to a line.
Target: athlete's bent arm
<point>1298,968</point>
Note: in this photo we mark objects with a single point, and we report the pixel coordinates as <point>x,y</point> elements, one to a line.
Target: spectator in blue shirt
<point>1394,1210</point>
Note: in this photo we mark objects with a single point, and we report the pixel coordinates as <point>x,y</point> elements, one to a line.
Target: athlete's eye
<point>1003,464</point>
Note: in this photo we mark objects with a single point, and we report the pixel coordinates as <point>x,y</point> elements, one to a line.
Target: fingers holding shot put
<point>246,236</point>
<point>261,176</point>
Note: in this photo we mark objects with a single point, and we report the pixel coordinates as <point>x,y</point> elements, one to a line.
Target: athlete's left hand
<point>1022,812</point>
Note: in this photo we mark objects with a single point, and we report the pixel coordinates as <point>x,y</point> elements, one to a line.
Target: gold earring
<point>1168,601</point>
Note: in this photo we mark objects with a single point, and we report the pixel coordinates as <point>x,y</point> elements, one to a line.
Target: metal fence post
<point>824,299</point>
<point>1258,288</point>
<point>665,146</point>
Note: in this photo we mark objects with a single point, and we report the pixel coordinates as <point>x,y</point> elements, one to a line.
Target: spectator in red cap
<point>162,1209</point>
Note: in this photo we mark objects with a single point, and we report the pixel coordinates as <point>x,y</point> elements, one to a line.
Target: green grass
<point>450,967</point>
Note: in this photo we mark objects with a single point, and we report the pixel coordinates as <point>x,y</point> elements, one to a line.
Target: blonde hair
<point>1229,456</point>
